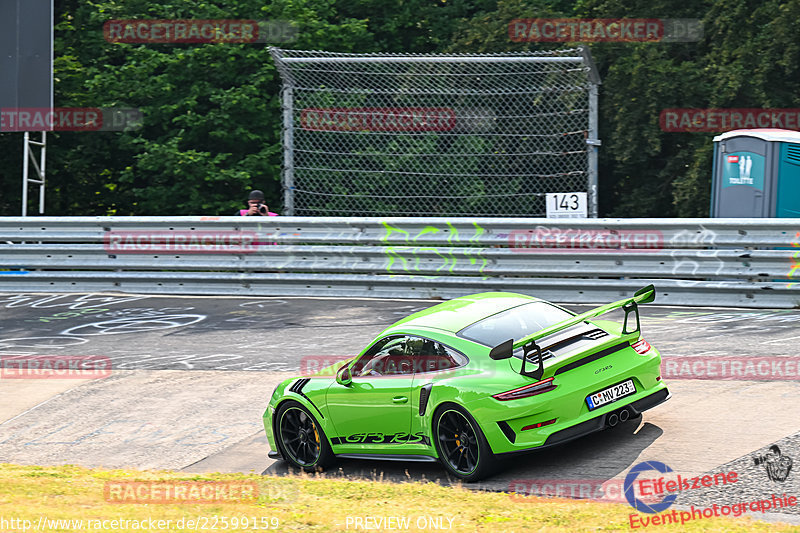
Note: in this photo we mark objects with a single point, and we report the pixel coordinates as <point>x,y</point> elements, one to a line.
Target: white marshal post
<point>26,39</point>
<point>28,157</point>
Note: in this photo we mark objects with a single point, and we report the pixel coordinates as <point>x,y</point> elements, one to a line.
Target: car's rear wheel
<point>300,438</point>
<point>460,443</point>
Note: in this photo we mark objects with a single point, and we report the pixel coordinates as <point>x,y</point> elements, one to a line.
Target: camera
<point>763,459</point>
<point>262,209</point>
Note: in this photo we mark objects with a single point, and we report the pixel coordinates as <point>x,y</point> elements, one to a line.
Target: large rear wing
<point>528,343</point>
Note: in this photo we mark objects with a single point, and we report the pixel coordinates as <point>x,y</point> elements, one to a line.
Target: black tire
<point>460,444</point>
<point>301,439</point>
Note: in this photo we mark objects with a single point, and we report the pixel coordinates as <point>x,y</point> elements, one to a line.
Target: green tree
<point>211,127</point>
<point>212,121</point>
<point>749,57</point>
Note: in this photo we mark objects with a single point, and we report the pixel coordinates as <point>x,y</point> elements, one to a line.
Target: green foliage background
<point>212,111</point>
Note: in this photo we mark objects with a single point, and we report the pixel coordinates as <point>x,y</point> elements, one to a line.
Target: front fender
<point>310,393</point>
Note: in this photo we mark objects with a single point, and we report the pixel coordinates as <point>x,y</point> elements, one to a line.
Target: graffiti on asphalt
<point>48,343</point>
<point>64,315</point>
<point>263,303</point>
<point>136,321</point>
<point>70,301</point>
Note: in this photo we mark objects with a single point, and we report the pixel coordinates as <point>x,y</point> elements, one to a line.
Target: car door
<point>374,411</point>
<point>432,360</point>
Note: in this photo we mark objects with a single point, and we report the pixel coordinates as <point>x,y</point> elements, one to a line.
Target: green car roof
<point>458,313</point>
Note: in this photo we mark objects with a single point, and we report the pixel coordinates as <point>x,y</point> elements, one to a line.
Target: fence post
<point>593,144</point>
<point>288,151</point>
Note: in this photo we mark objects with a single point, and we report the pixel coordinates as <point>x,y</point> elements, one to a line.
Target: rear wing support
<point>631,307</point>
<point>526,350</point>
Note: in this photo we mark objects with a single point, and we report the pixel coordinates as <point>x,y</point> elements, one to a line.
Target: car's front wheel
<point>460,443</point>
<point>300,438</point>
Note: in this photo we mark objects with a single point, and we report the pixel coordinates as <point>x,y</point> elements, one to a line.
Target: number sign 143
<point>567,205</point>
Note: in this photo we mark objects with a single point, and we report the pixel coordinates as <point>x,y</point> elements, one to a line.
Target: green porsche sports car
<point>470,380</point>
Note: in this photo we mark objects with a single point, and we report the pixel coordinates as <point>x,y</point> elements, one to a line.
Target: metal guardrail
<point>719,262</point>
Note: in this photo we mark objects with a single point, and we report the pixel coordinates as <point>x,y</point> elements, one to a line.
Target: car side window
<point>386,357</point>
<point>432,356</point>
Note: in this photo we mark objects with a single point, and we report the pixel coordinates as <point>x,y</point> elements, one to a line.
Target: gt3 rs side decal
<point>381,438</point>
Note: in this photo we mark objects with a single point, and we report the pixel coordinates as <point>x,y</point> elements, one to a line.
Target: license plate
<point>611,394</point>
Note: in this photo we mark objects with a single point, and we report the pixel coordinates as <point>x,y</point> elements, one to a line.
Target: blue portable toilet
<point>756,174</point>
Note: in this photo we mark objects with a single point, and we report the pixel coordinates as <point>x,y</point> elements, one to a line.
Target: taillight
<point>540,424</point>
<point>641,346</point>
<point>546,385</point>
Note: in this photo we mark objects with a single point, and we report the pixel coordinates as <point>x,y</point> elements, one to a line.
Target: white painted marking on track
<point>32,408</point>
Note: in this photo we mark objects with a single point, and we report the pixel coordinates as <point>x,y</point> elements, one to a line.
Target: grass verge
<point>36,496</point>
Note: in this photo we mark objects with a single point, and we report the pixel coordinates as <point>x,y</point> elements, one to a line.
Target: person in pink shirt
<point>256,206</point>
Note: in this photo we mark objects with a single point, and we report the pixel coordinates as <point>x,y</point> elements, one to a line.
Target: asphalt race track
<point>191,377</point>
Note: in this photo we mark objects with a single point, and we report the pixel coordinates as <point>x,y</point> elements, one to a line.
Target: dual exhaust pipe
<point>617,417</point>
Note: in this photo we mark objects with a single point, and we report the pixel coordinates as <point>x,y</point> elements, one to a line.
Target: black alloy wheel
<point>461,445</point>
<point>300,438</point>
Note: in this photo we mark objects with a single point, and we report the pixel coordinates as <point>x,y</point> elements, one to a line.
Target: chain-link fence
<point>436,135</point>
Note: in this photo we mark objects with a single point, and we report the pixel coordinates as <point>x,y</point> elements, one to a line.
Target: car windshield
<point>514,323</point>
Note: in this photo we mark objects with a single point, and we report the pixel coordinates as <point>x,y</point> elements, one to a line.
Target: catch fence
<point>437,135</point>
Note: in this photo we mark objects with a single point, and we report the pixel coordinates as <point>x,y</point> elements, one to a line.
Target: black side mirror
<point>344,376</point>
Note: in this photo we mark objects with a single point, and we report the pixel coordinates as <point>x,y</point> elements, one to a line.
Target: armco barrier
<point>725,262</point>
